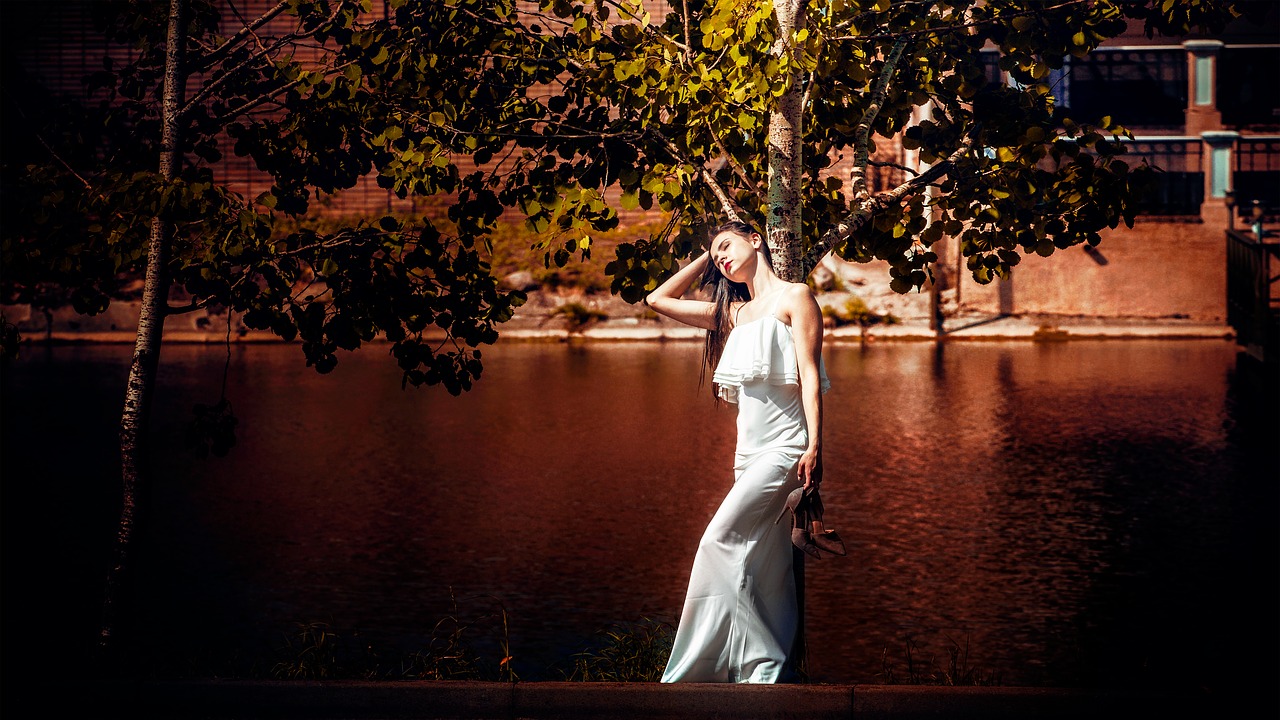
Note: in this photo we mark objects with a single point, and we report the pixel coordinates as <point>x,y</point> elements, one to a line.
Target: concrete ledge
<point>896,702</point>
<point>216,699</point>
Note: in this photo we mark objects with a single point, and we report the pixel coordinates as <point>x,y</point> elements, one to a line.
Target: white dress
<point>739,618</point>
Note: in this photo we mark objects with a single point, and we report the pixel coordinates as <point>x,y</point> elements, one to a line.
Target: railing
<point>1136,87</point>
<point>1179,188</point>
<point>1248,94</point>
<point>1253,306</point>
<point>1255,175</point>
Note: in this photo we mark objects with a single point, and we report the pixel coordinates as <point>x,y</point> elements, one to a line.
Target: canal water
<point>1080,513</point>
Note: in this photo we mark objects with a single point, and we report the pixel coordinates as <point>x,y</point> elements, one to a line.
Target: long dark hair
<point>724,292</point>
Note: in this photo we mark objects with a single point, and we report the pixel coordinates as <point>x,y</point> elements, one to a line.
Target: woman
<point>764,344</point>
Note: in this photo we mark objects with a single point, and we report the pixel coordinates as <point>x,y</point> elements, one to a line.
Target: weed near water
<point>316,653</point>
<point>856,312</point>
<point>577,316</point>
<point>958,670</point>
<point>625,652</point>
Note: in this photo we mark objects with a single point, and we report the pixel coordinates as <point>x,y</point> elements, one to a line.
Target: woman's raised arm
<point>668,300</point>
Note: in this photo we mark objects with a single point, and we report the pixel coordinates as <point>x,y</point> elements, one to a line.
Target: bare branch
<point>895,166</point>
<point>170,310</point>
<point>808,88</point>
<point>244,33</point>
<point>64,163</point>
<point>862,135</point>
<point>208,90</point>
<point>256,40</point>
<point>251,104</point>
<point>933,173</point>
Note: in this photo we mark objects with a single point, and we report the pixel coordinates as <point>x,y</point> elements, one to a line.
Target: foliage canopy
<point>562,113</point>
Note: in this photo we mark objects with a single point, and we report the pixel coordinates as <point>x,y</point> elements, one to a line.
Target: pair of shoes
<point>808,532</point>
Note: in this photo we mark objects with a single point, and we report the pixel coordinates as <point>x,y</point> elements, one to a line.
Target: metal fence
<point>1256,174</point>
<point>1253,308</point>
<point>1248,93</point>
<point>1137,87</point>
<point>1179,186</point>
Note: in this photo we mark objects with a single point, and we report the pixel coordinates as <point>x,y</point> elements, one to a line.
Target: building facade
<point>1207,112</point>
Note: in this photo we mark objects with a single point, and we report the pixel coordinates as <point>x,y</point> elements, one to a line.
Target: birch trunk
<point>146,354</point>
<point>783,227</point>
<point>786,155</point>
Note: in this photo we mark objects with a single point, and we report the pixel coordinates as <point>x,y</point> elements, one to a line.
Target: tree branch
<point>952,28</point>
<point>251,104</point>
<point>862,135</point>
<point>685,47</point>
<point>868,208</point>
<point>257,40</point>
<point>725,203</point>
<point>240,36</point>
<point>688,44</point>
<point>171,310</point>
<point>207,90</point>
<point>804,102</point>
<point>738,170</point>
<point>895,166</point>
<point>869,13</point>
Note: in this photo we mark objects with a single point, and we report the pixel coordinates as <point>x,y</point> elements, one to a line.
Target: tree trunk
<point>786,153</point>
<point>146,354</point>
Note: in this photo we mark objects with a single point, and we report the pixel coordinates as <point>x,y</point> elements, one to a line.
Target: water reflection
<point>1075,513</point>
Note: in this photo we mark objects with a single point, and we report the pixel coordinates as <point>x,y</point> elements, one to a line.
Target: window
<point>1136,87</point>
<point>1256,175</point>
<point>1248,93</point>
<point>1179,188</point>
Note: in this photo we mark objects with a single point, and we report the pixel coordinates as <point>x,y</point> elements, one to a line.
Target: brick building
<point>1207,111</point>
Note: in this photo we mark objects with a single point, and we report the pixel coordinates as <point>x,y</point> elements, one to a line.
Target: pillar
<point>1202,91</point>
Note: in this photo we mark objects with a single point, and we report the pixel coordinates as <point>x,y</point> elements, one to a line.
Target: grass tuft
<point>625,652</point>
<point>958,671</point>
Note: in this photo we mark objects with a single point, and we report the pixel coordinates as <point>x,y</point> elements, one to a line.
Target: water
<point>1071,514</point>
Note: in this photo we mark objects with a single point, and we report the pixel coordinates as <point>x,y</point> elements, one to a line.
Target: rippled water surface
<point>1083,513</point>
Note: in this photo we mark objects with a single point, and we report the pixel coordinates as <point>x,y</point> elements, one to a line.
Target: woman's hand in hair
<point>668,300</point>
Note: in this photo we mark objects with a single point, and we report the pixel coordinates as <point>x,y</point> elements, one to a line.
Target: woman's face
<point>734,254</point>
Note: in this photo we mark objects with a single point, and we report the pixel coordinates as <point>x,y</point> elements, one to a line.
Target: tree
<point>548,110</point>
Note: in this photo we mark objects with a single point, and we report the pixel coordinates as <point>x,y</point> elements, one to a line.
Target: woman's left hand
<point>809,469</point>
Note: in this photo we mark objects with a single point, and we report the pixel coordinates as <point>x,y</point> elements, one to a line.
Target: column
<point>1218,148</point>
<point>1202,69</point>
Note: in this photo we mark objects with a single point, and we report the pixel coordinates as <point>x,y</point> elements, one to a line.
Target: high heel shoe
<point>801,536</point>
<point>825,539</point>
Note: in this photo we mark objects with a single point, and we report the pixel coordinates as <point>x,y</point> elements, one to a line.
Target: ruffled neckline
<point>766,316</point>
<point>767,355</point>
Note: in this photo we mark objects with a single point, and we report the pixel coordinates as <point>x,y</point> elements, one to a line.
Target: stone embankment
<point>541,319</point>
<point>554,315</point>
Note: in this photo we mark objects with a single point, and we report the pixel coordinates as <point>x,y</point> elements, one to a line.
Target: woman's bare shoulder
<point>799,288</point>
<point>797,293</point>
